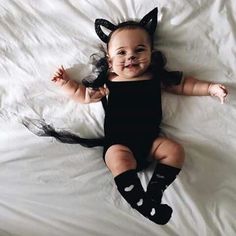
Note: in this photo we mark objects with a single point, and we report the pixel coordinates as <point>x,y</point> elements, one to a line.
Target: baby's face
<point>129,52</point>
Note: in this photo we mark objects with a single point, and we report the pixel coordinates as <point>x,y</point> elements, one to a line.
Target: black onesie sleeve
<point>167,78</point>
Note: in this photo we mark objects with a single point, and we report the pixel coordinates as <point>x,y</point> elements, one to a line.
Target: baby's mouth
<point>131,65</point>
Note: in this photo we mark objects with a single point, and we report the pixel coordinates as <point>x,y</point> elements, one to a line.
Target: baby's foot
<point>160,214</point>
<point>155,195</point>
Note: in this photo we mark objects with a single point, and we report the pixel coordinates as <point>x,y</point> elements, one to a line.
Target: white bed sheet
<point>49,188</point>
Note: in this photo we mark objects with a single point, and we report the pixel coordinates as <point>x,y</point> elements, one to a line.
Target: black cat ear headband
<point>148,22</point>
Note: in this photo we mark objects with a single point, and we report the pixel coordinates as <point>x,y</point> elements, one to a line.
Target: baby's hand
<point>95,95</point>
<point>218,90</point>
<point>60,77</point>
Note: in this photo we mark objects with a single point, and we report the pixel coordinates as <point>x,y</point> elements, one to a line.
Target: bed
<point>48,188</point>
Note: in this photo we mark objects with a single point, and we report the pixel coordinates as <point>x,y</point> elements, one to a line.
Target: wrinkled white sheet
<point>53,189</point>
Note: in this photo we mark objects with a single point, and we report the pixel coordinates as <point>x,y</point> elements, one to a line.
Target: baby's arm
<point>193,87</point>
<point>76,91</point>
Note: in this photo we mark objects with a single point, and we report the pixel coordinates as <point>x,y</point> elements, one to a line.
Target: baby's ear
<point>109,61</point>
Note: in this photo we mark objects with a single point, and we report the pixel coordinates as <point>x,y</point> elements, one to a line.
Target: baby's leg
<point>171,158</point>
<point>121,162</point>
<point>168,152</point>
<point>119,159</point>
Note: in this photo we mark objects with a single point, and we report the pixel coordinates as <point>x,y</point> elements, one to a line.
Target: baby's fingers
<point>222,100</point>
<point>55,77</point>
<point>57,74</point>
<point>61,70</point>
<point>222,97</point>
<point>102,91</point>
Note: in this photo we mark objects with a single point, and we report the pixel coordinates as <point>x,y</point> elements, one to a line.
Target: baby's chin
<point>132,75</point>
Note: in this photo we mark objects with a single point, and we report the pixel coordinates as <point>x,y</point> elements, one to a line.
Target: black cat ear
<point>149,21</point>
<point>105,23</point>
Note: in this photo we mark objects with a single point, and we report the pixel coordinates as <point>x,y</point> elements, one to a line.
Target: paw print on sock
<point>153,212</point>
<point>129,188</point>
<point>140,202</point>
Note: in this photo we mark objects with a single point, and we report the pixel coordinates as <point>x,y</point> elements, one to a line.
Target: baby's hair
<point>101,69</point>
<point>130,25</point>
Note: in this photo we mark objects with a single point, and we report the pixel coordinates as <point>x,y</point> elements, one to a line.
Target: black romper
<point>133,116</point>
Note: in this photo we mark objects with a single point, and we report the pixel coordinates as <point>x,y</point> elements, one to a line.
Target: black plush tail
<point>41,128</point>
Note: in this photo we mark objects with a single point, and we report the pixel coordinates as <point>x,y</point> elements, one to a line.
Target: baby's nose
<point>132,57</point>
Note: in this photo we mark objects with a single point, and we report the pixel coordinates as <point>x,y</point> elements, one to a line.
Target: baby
<point>132,84</point>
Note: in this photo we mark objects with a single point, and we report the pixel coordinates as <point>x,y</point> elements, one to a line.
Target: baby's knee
<point>119,159</point>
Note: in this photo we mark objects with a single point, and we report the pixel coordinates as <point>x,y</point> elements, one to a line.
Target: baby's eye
<point>140,50</point>
<point>122,52</point>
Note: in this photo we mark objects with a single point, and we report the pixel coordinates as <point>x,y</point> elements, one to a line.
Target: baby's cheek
<point>117,69</point>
